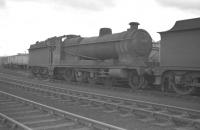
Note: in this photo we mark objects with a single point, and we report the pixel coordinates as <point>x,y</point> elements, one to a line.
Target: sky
<point>23,22</point>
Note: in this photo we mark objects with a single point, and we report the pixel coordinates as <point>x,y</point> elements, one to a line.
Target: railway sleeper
<point>142,106</point>
<point>24,111</point>
<point>162,114</point>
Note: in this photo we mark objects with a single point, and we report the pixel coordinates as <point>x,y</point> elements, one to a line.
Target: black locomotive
<point>129,56</point>
<point>106,58</point>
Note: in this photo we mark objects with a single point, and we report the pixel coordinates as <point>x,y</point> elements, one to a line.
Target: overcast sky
<point>23,22</point>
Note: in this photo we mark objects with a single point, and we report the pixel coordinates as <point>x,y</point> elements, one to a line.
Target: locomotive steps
<point>148,112</point>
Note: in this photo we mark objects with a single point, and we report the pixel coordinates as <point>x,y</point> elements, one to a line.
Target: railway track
<point>156,91</point>
<point>157,114</point>
<point>19,113</point>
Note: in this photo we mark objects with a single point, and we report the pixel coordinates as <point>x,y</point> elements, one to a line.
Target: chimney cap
<point>134,23</point>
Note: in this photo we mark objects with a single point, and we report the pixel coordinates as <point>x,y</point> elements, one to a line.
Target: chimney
<point>105,31</point>
<point>134,25</point>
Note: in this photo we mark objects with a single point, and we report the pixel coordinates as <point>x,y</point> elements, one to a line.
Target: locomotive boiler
<point>105,58</point>
<point>124,46</point>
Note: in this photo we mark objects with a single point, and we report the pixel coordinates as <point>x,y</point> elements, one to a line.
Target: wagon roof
<point>187,24</point>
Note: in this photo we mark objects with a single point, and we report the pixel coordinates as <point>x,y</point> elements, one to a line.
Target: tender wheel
<point>91,78</point>
<point>134,80</point>
<point>36,72</point>
<point>184,87</point>
<point>167,82</point>
<point>79,76</point>
<point>68,75</point>
<point>143,82</point>
<point>85,77</point>
<point>44,73</point>
<point>58,74</point>
<point>109,82</point>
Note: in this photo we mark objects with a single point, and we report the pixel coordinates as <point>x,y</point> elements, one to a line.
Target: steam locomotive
<point>106,58</point>
<point>127,57</point>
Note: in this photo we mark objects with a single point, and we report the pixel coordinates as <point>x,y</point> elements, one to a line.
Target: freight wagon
<point>16,61</point>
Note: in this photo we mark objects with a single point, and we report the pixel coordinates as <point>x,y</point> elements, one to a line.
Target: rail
<point>173,114</point>
<point>77,118</point>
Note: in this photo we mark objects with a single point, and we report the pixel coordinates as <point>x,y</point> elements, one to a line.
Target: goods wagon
<point>16,61</point>
<point>1,62</point>
<point>103,58</point>
<point>4,61</point>
<point>179,56</point>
